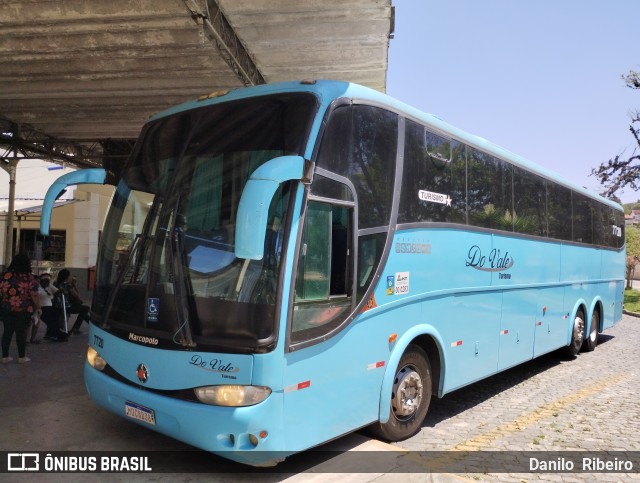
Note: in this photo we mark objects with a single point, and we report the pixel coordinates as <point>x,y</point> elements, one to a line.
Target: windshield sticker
<point>153,307</point>
<point>432,197</point>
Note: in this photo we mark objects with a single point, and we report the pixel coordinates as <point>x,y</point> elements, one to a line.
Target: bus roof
<point>328,91</point>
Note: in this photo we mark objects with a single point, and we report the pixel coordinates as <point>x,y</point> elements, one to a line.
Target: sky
<point>33,178</point>
<point>541,78</point>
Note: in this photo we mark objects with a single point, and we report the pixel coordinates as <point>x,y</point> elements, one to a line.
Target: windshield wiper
<point>126,268</point>
<point>181,291</point>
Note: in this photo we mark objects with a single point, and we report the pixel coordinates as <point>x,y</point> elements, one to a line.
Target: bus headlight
<point>232,395</point>
<point>94,359</point>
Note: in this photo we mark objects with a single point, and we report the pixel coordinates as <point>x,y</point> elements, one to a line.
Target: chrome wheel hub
<point>407,392</point>
<point>578,330</point>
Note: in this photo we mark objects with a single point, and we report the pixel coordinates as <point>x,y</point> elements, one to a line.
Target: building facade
<point>76,226</point>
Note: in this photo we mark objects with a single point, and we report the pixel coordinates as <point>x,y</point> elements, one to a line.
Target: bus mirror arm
<point>253,210</point>
<point>307,172</point>
<point>82,176</point>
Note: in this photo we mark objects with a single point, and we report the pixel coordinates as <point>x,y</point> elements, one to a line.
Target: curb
<point>632,314</point>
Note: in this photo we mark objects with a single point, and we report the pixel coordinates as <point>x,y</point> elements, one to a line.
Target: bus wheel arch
<point>591,338</point>
<point>411,392</point>
<point>429,344</point>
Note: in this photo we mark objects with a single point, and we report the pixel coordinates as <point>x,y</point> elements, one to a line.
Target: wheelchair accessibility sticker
<point>153,307</point>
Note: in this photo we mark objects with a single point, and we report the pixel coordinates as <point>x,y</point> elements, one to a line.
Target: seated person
<point>73,302</point>
<point>50,314</point>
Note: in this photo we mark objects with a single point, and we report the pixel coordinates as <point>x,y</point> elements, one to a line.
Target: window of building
<point>50,248</point>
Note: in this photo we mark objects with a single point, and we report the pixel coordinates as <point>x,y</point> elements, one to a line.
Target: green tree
<point>633,251</point>
<point>622,171</point>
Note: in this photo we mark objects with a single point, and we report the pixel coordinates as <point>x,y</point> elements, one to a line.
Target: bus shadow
<point>470,396</point>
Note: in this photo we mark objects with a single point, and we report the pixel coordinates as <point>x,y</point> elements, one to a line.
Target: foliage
<point>622,171</point>
<point>632,79</point>
<point>632,300</point>
<point>633,251</point>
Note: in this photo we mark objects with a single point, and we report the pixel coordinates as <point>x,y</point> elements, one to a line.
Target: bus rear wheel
<point>577,335</point>
<point>410,397</point>
<point>591,341</point>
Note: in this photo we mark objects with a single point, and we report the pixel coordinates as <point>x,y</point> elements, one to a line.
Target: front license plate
<point>135,411</point>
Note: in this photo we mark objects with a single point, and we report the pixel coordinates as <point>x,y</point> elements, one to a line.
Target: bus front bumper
<point>252,435</point>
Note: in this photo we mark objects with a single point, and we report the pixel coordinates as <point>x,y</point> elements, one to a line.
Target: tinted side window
<point>530,203</point>
<point>616,224</point>
<point>582,219</point>
<point>608,226</point>
<point>335,150</point>
<point>601,229</point>
<point>373,165</point>
<point>328,188</point>
<point>489,192</point>
<point>458,213</point>
<point>370,249</point>
<point>426,180</point>
<point>360,143</point>
<point>559,212</point>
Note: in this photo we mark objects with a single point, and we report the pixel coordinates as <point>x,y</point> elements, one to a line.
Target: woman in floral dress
<point>19,301</point>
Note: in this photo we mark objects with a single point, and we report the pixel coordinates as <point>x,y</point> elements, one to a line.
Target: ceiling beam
<point>220,32</point>
<point>20,141</point>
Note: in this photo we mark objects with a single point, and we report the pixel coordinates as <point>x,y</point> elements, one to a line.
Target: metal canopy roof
<point>76,73</point>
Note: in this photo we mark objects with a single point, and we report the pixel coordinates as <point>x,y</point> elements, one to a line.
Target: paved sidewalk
<point>555,404</point>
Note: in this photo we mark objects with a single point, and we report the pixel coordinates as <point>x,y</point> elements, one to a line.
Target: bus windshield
<point>167,272</point>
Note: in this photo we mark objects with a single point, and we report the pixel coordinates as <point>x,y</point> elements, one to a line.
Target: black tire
<point>577,335</point>
<point>591,341</point>
<point>410,398</point>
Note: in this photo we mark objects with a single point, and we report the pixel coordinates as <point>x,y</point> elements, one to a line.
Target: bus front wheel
<point>410,396</point>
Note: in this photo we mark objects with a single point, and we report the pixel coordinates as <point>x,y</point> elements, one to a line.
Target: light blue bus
<point>287,263</point>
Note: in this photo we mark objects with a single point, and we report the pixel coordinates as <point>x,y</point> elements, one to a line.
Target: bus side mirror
<point>253,210</point>
<point>82,176</point>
